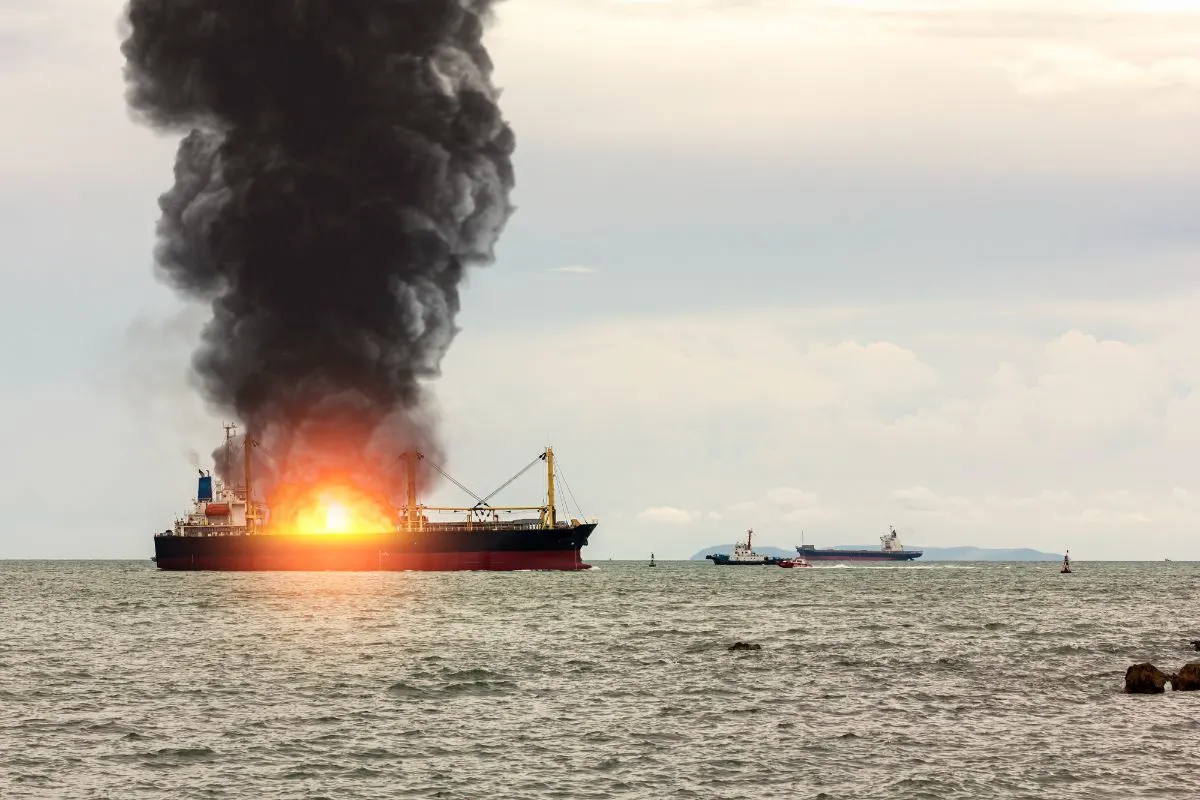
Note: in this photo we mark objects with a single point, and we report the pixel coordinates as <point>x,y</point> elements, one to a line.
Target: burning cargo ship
<point>228,530</point>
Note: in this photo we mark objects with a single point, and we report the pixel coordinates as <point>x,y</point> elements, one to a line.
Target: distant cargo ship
<point>227,530</point>
<point>891,550</point>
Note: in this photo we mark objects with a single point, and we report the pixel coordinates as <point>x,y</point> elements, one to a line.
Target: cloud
<point>798,506</point>
<point>919,498</point>
<point>720,369</point>
<point>1053,70</point>
<point>1183,421</point>
<point>575,269</point>
<point>1102,516</point>
<point>667,514</point>
<point>741,507</point>
<point>922,500</point>
<point>1001,21</point>
<point>792,498</point>
<point>1054,425</point>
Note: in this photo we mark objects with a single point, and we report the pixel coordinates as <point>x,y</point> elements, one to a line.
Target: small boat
<point>1066,565</point>
<point>789,563</point>
<point>652,560</point>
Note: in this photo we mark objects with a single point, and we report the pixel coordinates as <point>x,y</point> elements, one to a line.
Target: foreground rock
<point>745,646</point>
<point>1145,679</point>
<point>1188,679</point>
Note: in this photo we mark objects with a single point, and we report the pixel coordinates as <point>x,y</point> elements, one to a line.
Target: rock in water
<point>1188,679</point>
<point>745,646</point>
<point>1145,679</point>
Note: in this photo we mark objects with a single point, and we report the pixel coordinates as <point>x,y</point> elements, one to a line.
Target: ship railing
<point>201,531</point>
<point>213,531</point>
<point>485,526</point>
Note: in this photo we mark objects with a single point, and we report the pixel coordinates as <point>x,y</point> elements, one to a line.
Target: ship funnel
<point>204,493</point>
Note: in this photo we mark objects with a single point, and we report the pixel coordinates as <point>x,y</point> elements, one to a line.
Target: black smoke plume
<point>344,162</point>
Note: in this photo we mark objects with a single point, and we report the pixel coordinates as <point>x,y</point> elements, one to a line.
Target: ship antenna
<point>230,427</point>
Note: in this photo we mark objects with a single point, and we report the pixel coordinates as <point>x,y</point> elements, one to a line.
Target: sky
<point>814,268</point>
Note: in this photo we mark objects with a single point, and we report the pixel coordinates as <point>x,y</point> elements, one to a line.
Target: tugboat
<point>1066,567</point>
<point>744,555</point>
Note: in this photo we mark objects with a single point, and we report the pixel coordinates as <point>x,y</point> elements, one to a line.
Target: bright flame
<point>330,509</point>
<point>337,518</point>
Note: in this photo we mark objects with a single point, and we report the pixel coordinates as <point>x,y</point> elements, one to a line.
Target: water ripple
<point>928,681</point>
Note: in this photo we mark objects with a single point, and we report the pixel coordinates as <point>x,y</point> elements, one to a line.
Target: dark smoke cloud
<point>344,162</point>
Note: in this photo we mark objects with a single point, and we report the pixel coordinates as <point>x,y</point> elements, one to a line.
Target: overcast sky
<point>820,266</point>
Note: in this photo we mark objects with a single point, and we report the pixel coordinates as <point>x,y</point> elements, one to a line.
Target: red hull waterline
<point>507,561</point>
<point>845,559</point>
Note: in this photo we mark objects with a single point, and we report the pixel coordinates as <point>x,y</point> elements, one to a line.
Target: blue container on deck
<point>204,494</point>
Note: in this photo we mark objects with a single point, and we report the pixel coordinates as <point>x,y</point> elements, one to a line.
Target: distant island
<point>930,553</point>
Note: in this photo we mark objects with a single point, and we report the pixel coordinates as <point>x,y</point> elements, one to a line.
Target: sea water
<point>913,681</point>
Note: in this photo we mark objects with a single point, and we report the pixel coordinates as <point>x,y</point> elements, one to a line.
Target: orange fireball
<point>330,507</point>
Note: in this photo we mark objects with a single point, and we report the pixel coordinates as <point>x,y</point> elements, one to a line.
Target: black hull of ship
<point>432,549</point>
<point>725,561</point>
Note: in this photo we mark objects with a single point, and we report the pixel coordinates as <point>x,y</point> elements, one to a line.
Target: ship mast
<point>551,513</point>
<point>547,514</point>
<point>410,458</point>
<point>248,446</point>
<point>230,429</point>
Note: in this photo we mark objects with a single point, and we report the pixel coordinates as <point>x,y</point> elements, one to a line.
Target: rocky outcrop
<point>1188,678</point>
<point>745,646</point>
<point>1145,679</point>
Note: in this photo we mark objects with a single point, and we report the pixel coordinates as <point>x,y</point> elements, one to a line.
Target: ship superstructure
<point>228,529</point>
<point>218,507</point>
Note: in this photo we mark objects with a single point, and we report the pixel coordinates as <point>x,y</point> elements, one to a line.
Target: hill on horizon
<point>930,553</point>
